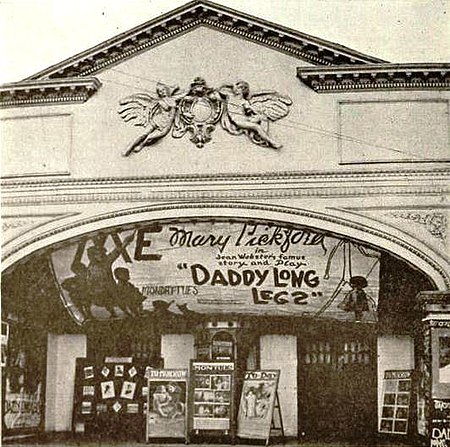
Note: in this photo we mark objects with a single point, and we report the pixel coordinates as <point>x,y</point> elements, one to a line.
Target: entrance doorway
<point>338,383</point>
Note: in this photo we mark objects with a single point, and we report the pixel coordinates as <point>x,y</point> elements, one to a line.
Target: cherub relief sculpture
<point>251,114</point>
<point>197,111</point>
<point>156,112</point>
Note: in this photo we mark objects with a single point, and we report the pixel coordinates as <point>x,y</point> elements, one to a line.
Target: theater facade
<point>213,187</point>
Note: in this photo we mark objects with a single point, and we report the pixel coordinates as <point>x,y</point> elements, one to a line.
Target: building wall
<point>177,350</point>
<point>62,353</point>
<point>280,352</point>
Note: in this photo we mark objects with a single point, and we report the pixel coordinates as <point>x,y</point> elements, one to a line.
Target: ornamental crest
<point>197,110</point>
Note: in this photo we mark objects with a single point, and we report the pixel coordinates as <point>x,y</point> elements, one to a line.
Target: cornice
<point>376,77</point>
<point>48,92</point>
<point>250,178</point>
<point>204,13</point>
<point>231,187</point>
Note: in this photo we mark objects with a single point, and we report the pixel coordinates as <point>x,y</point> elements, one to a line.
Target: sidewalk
<point>81,443</point>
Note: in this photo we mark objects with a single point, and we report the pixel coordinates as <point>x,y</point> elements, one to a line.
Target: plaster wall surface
<point>177,350</point>
<point>320,132</point>
<point>280,352</point>
<point>62,353</point>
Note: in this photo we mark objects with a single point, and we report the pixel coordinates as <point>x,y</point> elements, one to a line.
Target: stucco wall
<point>319,133</point>
<point>280,352</point>
<point>63,351</point>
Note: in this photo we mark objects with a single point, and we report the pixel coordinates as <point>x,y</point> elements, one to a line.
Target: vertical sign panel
<point>396,402</point>
<point>166,414</point>
<point>211,396</point>
<point>257,404</point>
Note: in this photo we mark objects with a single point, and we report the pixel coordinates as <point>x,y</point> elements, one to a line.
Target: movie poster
<point>257,403</point>
<point>166,415</point>
<point>211,395</point>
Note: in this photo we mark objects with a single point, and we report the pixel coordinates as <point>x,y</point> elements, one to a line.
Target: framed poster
<point>166,407</point>
<point>257,403</point>
<point>396,402</point>
<point>440,423</point>
<point>211,396</point>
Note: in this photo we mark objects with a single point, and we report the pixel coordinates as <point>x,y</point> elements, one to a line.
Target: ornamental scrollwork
<point>435,223</point>
<point>198,109</point>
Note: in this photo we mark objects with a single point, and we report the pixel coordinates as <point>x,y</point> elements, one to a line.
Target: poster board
<point>440,423</point>
<point>110,397</point>
<point>166,405</point>
<point>211,394</point>
<point>395,411</point>
<point>257,404</point>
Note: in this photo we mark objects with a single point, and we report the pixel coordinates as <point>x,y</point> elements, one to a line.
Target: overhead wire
<point>294,124</point>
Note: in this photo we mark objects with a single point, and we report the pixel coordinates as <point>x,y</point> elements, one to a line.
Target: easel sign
<point>211,397</point>
<point>166,407</point>
<point>256,408</point>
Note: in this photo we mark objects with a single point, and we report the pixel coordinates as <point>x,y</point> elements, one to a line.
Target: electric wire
<point>294,124</point>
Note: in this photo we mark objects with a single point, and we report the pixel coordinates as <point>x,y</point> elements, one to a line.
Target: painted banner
<point>217,267</point>
<point>211,395</point>
<point>257,403</point>
<point>166,408</point>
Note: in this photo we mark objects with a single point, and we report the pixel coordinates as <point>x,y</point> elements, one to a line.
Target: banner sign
<point>257,404</point>
<point>440,423</point>
<point>211,395</point>
<point>217,267</point>
<point>166,408</point>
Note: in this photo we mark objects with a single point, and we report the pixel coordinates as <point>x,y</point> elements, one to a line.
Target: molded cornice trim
<point>204,13</point>
<point>376,77</point>
<point>48,92</point>
<point>20,192</point>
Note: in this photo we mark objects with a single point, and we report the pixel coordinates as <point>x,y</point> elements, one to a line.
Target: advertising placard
<point>211,396</point>
<point>257,403</point>
<point>217,267</point>
<point>166,408</point>
<point>396,402</point>
<point>440,423</point>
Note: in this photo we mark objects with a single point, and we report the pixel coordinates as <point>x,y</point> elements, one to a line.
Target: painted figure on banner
<point>94,284</point>
<point>251,114</point>
<point>153,111</point>
<point>129,297</point>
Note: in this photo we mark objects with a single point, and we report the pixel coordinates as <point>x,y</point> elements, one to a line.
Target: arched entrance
<point>310,332</point>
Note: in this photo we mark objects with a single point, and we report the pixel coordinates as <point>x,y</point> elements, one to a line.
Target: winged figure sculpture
<point>156,112</point>
<point>198,109</point>
<point>251,114</point>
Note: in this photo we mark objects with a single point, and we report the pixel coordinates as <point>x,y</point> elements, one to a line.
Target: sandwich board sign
<point>166,407</point>
<point>257,403</point>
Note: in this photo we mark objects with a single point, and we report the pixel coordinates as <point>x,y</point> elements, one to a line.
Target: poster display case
<point>397,386</point>
<point>110,398</point>
<point>166,407</point>
<point>211,396</point>
<point>257,404</point>
<point>440,423</point>
<point>23,379</point>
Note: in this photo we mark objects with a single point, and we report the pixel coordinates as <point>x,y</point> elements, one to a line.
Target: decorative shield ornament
<point>199,112</point>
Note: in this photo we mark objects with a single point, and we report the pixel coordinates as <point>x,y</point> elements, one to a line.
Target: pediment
<point>197,14</point>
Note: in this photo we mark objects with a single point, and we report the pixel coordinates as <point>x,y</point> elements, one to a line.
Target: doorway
<point>338,384</point>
